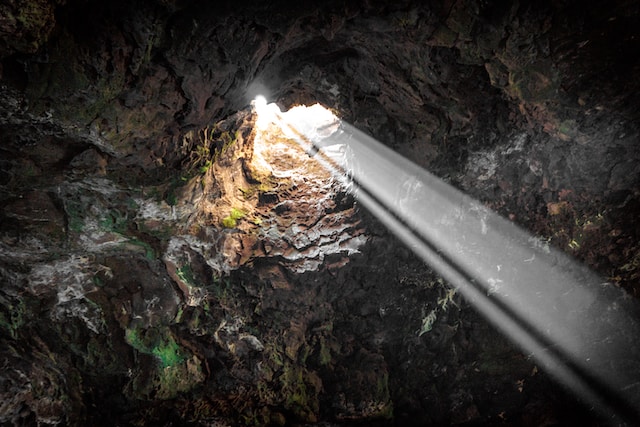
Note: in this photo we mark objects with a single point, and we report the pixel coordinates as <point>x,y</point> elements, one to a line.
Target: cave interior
<point>163,262</point>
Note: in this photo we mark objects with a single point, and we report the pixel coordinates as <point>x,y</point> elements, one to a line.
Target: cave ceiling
<point>160,266</point>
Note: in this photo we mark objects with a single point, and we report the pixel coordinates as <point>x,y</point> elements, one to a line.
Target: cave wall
<point>122,122</point>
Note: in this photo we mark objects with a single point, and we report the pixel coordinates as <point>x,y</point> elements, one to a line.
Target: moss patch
<point>231,221</point>
<point>159,343</point>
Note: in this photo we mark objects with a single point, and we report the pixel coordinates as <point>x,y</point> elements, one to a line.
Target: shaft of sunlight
<point>583,331</point>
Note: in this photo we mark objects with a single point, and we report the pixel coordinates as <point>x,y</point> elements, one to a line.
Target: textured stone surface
<point>151,273</point>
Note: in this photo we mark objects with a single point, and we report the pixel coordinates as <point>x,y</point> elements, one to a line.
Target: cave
<point>169,259</point>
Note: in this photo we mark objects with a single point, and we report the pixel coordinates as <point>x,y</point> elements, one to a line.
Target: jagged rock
<point>162,262</point>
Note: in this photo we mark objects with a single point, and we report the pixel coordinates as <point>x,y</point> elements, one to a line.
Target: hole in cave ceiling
<point>266,196</point>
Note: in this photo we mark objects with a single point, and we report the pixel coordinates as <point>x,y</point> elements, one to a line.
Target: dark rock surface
<point>151,274</point>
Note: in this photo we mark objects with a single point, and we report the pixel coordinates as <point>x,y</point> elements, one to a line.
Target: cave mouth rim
<point>311,126</point>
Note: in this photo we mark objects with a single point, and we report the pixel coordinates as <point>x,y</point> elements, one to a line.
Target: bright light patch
<point>315,122</point>
<point>311,127</point>
<point>284,141</point>
<point>301,130</point>
<point>260,102</point>
<point>267,113</point>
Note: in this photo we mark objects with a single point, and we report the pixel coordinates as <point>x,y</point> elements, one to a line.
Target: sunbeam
<point>582,330</point>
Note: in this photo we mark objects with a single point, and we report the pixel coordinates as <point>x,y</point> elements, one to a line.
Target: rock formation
<point>154,272</point>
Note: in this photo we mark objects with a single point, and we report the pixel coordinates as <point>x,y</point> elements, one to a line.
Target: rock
<point>162,262</point>
<point>38,214</point>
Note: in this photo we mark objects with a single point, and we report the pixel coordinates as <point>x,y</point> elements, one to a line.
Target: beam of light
<point>583,331</point>
<point>265,112</point>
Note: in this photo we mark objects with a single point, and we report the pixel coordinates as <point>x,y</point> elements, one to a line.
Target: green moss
<point>167,382</point>
<point>97,281</point>
<point>159,343</point>
<point>168,352</point>
<point>185,273</point>
<point>171,199</point>
<point>151,40</point>
<point>177,181</point>
<point>384,408</point>
<point>237,213</point>
<point>179,315</point>
<point>194,322</point>
<point>75,219</point>
<point>262,184</point>
<point>115,221</point>
<point>170,195</point>
<point>227,141</point>
<point>12,320</point>
<point>132,205</point>
<point>204,168</point>
<point>135,339</point>
<point>275,358</point>
<point>294,389</point>
<point>200,159</point>
<point>231,221</point>
<point>324,358</point>
<point>222,290</point>
<point>248,193</point>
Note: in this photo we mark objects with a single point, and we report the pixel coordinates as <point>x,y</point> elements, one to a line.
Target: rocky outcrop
<point>160,263</point>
